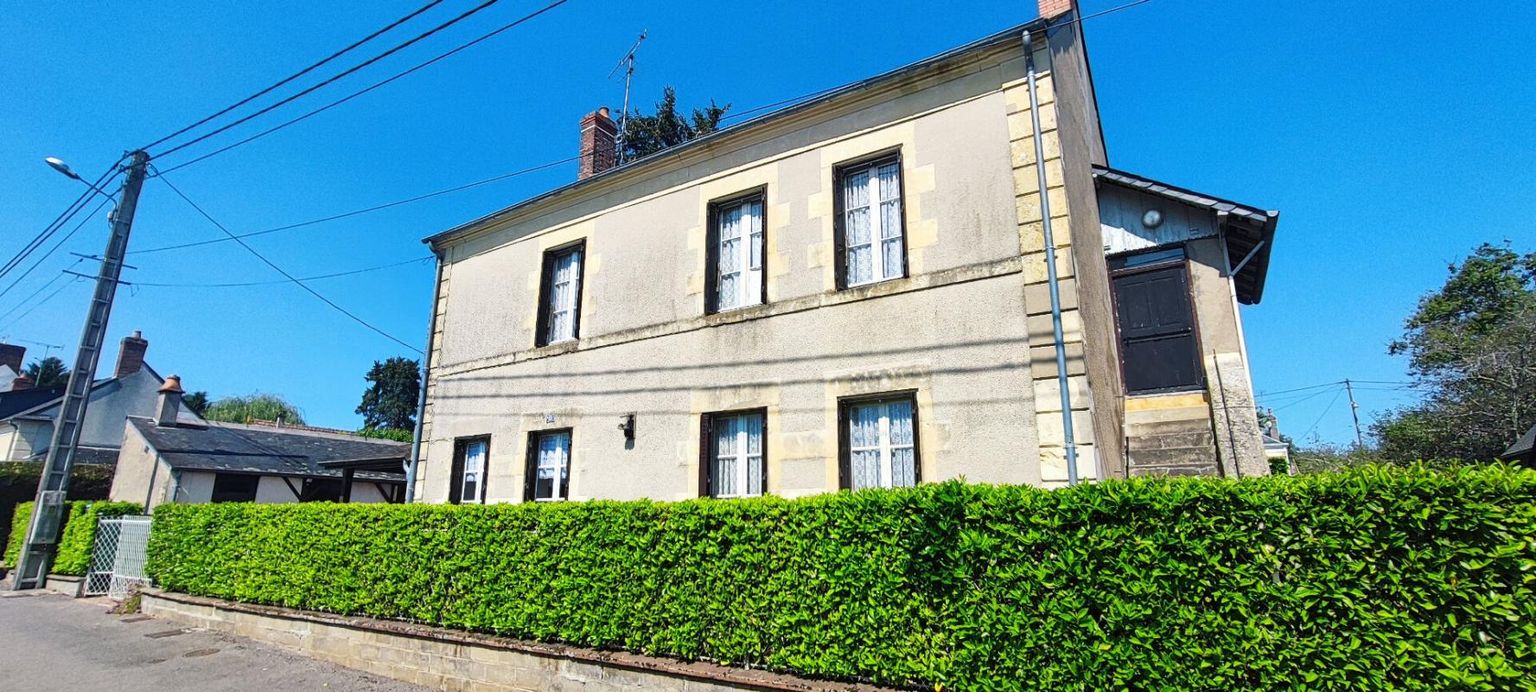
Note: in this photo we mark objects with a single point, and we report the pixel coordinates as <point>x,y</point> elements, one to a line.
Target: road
<point>53,642</point>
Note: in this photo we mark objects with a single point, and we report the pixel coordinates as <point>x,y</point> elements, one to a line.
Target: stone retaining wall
<point>454,660</point>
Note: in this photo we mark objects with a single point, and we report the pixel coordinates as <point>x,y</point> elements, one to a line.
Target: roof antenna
<point>628,63</point>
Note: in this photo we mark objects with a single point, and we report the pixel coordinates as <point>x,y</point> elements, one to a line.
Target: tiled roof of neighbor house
<point>12,403</point>
<point>1254,230</point>
<point>1525,445</point>
<point>269,451</point>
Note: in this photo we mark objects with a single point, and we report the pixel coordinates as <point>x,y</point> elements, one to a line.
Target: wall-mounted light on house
<point>1152,219</point>
<point>627,424</point>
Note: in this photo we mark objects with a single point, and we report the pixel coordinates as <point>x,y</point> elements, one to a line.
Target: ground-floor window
<point>878,438</point>
<point>734,452</point>
<point>234,487</point>
<point>470,461</point>
<point>549,466</point>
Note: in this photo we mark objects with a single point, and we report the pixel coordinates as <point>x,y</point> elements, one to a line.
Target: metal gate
<point>117,559</point>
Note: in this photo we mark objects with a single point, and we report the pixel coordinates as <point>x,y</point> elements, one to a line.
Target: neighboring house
<point>1523,451</point>
<point>27,415</point>
<point>850,292</point>
<point>166,458</point>
<point>11,357</point>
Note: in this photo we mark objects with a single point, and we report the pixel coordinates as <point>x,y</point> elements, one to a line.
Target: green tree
<point>1471,347</point>
<point>48,372</point>
<point>196,402</point>
<point>244,409</point>
<point>389,402</point>
<point>644,135</point>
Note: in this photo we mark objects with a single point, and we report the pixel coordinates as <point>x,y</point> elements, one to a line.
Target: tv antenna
<point>628,63</point>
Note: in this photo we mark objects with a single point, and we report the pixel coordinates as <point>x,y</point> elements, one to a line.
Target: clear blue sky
<point>1392,136</point>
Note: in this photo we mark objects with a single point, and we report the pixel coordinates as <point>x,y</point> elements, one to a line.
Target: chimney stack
<point>170,402</point>
<point>130,358</point>
<point>599,137</point>
<point>21,382</point>
<point>12,355</point>
<point>1051,9</point>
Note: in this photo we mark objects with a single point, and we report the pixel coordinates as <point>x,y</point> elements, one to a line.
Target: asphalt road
<point>53,642</point>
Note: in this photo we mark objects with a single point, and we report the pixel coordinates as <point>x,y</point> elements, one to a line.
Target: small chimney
<point>1051,9</point>
<point>12,355</point>
<point>21,382</point>
<point>130,358</point>
<point>598,141</point>
<point>170,402</point>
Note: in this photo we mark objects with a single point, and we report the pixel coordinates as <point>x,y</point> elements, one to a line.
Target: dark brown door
<point>1157,330</point>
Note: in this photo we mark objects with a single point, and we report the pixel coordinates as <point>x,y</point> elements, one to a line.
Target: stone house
<point>852,291</point>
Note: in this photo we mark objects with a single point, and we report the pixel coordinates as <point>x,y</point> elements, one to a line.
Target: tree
<point>244,409</point>
<point>48,372</point>
<point>647,134</point>
<point>196,402</point>
<point>389,402</point>
<point>1471,347</point>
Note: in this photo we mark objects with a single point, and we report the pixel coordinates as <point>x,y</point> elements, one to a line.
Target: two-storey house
<point>929,274</point>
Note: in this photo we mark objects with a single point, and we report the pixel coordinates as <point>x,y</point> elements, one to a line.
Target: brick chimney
<point>1051,9</point>
<point>12,355</point>
<point>21,382</point>
<point>130,358</point>
<point>598,137</point>
<point>170,402</point>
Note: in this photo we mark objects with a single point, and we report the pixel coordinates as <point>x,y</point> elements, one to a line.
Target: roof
<point>227,447</point>
<point>92,456</point>
<point>1524,446</point>
<point>647,164</point>
<point>1249,231</point>
<point>13,403</point>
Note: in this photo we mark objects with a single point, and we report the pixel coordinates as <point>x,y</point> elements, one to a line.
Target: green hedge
<point>1371,578</point>
<point>77,536</point>
<point>18,483</point>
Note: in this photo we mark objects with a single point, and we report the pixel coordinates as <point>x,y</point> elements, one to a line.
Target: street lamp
<point>58,164</point>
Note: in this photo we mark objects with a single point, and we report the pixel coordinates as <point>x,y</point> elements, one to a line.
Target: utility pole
<point>1354,410</point>
<point>43,532</point>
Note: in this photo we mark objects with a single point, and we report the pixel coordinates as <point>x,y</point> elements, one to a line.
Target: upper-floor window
<point>549,466</point>
<point>736,247</point>
<point>560,295</point>
<point>1159,348</point>
<point>870,234</point>
<point>879,441</point>
<point>733,453</point>
<point>469,467</point>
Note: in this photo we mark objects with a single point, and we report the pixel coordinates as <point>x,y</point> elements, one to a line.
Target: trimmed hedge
<point>77,535</point>
<point>1370,578</point>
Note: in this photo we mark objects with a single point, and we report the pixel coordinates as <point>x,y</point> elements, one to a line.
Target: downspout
<point>421,396</point>
<point>154,472</point>
<point>1069,439</point>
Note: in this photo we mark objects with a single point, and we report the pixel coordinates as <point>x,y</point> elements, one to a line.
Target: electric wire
<point>1320,416</point>
<point>355,44</point>
<point>365,210</point>
<point>246,284</point>
<point>56,246</point>
<point>291,278</point>
<point>334,78</point>
<point>42,302</point>
<point>40,289</point>
<point>63,218</point>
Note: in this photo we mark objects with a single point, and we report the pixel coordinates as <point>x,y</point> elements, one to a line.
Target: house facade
<point>855,291</point>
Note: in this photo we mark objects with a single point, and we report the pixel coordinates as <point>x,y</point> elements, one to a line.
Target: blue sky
<point>1393,137</point>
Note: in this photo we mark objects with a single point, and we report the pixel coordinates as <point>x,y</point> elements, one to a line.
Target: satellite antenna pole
<point>628,63</point>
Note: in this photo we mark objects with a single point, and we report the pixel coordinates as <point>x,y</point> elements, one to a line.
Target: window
<point>1159,351</point>
<point>870,238</point>
<point>470,457</point>
<point>560,302</point>
<point>879,442</point>
<point>734,448</point>
<point>321,490</point>
<point>549,466</point>
<point>736,247</point>
<point>232,487</point>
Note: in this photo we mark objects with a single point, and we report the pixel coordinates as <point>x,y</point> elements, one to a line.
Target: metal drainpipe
<point>421,396</point>
<point>1069,438</point>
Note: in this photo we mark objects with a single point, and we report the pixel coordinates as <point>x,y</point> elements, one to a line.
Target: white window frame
<point>877,269</point>
<point>478,474</point>
<point>747,230</point>
<point>742,457</point>
<point>883,444</point>
<point>560,488</point>
<point>570,306</point>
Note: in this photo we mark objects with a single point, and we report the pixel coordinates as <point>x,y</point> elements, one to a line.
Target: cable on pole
<point>56,246</point>
<point>63,218</point>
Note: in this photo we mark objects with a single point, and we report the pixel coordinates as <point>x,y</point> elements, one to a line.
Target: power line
<point>56,246</point>
<point>40,289</point>
<point>42,302</point>
<point>63,218</point>
<point>365,90</point>
<point>1301,389</point>
<point>365,210</point>
<point>296,281</point>
<point>1320,416</point>
<point>298,74</point>
<point>331,80</point>
<point>244,284</point>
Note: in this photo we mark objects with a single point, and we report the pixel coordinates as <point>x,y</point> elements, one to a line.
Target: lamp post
<point>43,531</point>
